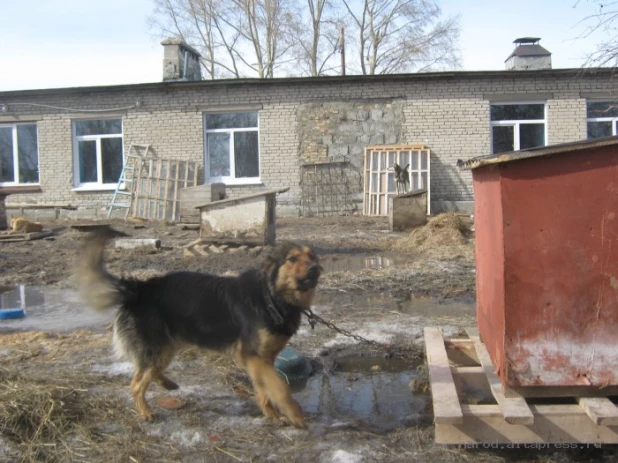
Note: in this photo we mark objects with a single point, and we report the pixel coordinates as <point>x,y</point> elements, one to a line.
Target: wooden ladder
<point>125,189</point>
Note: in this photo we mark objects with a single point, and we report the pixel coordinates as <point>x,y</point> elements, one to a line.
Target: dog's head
<point>293,272</point>
<point>397,169</point>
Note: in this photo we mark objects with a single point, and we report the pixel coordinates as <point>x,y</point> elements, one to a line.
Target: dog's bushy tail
<point>97,287</point>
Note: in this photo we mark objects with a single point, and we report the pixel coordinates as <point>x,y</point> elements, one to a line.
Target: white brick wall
<point>448,112</point>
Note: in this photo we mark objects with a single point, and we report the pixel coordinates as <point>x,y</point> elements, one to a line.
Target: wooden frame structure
<point>379,177</point>
<point>158,185</point>
<point>461,368</point>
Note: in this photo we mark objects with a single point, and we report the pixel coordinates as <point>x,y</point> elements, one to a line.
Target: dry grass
<point>444,236</point>
<point>53,411</point>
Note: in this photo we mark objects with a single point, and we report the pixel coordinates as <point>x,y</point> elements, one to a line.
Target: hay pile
<point>445,235</point>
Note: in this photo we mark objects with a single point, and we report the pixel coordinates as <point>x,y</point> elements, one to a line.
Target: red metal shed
<point>546,223</point>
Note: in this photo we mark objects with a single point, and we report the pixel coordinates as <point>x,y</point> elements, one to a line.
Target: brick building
<point>64,146</point>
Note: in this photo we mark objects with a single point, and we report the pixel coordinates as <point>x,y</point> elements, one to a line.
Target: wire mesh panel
<point>329,188</point>
<point>379,179</point>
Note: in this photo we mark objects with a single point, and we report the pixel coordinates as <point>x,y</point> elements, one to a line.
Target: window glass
<point>87,161</point>
<point>99,152</point>
<point>602,118</point>
<point>98,127</point>
<point>514,112</point>
<point>6,155</point>
<point>28,153</point>
<point>531,135</point>
<point>502,138</point>
<point>111,151</point>
<point>232,146</point>
<point>602,109</point>
<point>231,120</point>
<point>246,154</point>
<point>219,154</point>
<point>599,129</point>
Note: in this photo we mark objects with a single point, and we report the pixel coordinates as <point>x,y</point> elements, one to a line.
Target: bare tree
<point>403,36</point>
<point>264,24</point>
<point>199,23</point>
<point>266,38</point>
<point>315,47</point>
<point>604,22</point>
<point>236,38</point>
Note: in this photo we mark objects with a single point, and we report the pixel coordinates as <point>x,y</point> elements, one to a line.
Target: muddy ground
<point>64,397</point>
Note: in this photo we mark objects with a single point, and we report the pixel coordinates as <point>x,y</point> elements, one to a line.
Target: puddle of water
<point>346,263</point>
<point>380,399</point>
<point>417,305</point>
<point>49,309</point>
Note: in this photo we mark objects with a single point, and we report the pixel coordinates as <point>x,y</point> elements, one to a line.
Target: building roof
<point>419,76</point>
<point>561,148</point>
<point>529,50</point>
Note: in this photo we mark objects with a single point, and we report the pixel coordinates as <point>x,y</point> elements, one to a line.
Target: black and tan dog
<point>252,315</point>
<point>402,178</point>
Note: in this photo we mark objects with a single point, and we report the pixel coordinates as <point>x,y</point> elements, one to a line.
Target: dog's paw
<point>148,416</point>
<point>296,421</point>
<point>169,385</point>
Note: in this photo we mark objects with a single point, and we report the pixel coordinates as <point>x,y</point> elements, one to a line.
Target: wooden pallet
<point>8,238</point>
<point>470,406</point>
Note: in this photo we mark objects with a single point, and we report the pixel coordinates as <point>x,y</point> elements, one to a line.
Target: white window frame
<point>230,179</point>
<point>14,126</point>
<point>98,185</point>
<point>613,120</point>
<point>517,123</point>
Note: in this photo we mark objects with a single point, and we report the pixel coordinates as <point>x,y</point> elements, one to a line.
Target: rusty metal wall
<point>489,255</point>
<point>560,281</point>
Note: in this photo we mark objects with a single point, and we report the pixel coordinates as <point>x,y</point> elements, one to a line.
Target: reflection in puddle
<point>49,309</point>
<point>415,305</point>
<point>371,391</point>
<point>347,263</point>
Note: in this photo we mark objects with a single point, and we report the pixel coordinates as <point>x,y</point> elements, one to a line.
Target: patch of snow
<point>115,369</point>
<point>341,456</point>
<point>188,438</point>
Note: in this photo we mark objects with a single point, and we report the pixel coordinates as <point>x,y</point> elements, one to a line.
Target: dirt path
<point>64,397</point>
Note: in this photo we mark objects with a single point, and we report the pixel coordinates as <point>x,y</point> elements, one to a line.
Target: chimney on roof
<point>180,61</point>
<point>528,54</point>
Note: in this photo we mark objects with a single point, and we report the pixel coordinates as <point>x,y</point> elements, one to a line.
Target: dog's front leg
<point>271,389</point>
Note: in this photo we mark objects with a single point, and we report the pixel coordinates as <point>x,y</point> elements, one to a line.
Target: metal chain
<point>314,319</point>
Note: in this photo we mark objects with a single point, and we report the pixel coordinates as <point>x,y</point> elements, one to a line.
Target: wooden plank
<point>446,407</point>
<point>600,410</point>
<point>176,203</point>
<point>484,426</point>
<point>514,409</point>
<point>562,391</point>
<point>25,236</point>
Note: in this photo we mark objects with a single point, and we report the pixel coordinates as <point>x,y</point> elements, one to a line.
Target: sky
<point>76,43</point>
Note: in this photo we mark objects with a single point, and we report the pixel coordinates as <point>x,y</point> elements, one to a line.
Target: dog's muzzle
<point>311,280</point>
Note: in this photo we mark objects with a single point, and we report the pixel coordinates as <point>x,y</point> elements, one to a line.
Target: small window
<point>602,118</point>
<point>517,126</point>
<point>19,154</point>
<point>232,147</point>
<point>98,148</point>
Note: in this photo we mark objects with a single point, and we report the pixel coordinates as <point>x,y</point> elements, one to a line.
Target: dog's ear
<point>274,259</point>
<point>270,267</point>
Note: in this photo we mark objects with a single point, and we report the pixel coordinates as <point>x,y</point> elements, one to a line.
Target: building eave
<point>177,85</point>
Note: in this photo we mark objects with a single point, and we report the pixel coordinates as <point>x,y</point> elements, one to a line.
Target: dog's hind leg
<point>146,374</point>
<point>165,382</point>
<point>139,386</point>
<point>272,392</point>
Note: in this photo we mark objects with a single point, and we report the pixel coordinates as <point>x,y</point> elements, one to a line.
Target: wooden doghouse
<point>546,224</point>
<point>248,219</point>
